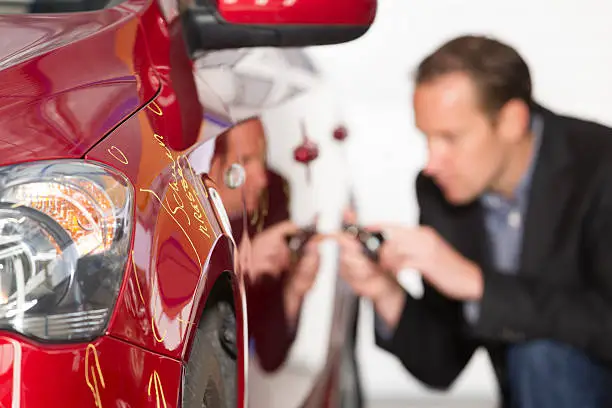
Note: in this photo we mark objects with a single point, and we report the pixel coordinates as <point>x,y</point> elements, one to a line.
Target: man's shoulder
<point>589,146</point>
<point>575,124</point>
<point>588,139</point>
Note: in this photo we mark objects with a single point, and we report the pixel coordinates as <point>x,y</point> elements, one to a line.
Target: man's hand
<point>269,254</point>
<point>301,278</point>
<point>423,249</point>
<point>370,281</point>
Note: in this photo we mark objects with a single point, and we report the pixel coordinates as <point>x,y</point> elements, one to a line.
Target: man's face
<point>246,145</point>
<point>466,151</point>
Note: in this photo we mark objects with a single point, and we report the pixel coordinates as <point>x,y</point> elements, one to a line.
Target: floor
<point>269,397</point>
<point>437,403</point>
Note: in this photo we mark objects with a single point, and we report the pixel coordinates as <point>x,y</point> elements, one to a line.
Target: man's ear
<point>513,120</point>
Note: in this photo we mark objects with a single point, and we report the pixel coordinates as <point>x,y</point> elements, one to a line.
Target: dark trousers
<point>548,374</point>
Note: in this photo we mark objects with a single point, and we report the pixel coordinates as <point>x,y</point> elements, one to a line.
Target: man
<point>515,237</point>
<point>243,145</point>
<point>276,284</point>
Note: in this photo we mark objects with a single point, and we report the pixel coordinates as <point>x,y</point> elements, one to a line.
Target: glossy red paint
<point>130,106</point>
<point>104,373</point>
<point>115,87</point>
<point>298,12</point>
<point>53,109</point>
<point>179,246</point>
<point>177,92</point>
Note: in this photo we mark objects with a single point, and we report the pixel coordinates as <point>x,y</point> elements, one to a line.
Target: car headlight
<point>65,229</point>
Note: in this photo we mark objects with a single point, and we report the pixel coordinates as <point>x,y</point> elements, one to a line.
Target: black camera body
<point>371,241</point>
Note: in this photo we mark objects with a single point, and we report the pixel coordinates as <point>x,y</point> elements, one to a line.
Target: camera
<point>371,241</point>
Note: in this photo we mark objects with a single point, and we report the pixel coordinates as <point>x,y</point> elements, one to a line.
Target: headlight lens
<point>65,228</point>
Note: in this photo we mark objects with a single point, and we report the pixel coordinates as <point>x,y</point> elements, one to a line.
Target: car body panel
<point>133,107</point>
<point>53,109</point>
<point>105,373</point>
<point>172,239</point>
<point>116,87</point>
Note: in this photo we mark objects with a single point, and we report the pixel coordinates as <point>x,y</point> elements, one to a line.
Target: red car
<point>119,280</point>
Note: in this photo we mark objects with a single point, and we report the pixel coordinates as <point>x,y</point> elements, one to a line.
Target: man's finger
<point>380,227</point>
<point>311,247</point>
<point>347,241</point>
<point>349,216</point>
<point>358,264</point>
<point>286,227</point>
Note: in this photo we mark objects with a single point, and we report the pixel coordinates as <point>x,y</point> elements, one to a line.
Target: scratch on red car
<point>160,398</point>
<point>158,338</point>
<point>136,279</point>
<point>154,107</point>
<point>154,194</point>
<point>123,159</point>
<point>93,369</point>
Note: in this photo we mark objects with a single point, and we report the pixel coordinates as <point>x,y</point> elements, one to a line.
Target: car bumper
<point>105,373</point>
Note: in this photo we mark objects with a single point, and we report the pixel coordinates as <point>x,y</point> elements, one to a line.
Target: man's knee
<point>542,358</point>
<point>547,373</point>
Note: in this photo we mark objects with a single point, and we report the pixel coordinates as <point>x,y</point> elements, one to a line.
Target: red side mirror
<point>294,13</point>
<point>225,24</point>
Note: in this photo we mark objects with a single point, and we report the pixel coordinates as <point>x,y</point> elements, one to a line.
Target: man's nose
<point>434,163</point>
<point>260,178</point>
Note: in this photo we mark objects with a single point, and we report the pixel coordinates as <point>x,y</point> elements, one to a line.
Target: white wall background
<point>566,43</point>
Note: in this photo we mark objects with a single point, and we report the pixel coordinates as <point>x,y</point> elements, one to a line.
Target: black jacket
<point>563,289</point>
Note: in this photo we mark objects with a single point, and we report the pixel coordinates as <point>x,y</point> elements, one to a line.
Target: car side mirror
<point>230,24</point>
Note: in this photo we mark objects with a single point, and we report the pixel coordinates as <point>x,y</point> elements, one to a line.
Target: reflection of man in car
<point>244,144</point>
<point>276,283</point>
